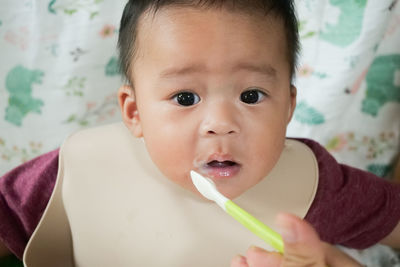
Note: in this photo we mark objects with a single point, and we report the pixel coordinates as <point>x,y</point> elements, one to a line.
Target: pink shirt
<point>352,207</point>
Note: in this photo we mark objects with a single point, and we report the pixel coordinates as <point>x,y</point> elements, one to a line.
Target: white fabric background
<point>337,101</point>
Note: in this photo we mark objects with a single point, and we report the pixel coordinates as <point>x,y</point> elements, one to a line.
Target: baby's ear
<point>129,111</point>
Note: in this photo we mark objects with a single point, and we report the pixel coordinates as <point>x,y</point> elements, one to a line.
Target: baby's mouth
<point>221,169</point>
<point>221,164</point>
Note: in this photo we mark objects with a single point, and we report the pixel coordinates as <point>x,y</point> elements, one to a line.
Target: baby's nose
<point>220,120</point>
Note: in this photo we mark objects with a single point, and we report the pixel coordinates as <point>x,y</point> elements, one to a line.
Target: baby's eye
<point>186,98</point>
<point>252,96</point>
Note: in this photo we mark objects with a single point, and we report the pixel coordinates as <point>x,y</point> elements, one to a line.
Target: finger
<point>258,257</point>
<point>239,261</point>
<point>302,244</point>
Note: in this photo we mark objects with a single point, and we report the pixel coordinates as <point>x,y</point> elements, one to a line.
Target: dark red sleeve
<point>24,194</point>
<point>352,207</point>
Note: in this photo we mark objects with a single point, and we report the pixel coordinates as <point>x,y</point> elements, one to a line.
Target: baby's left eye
<point>252,96</point>
<point>186,98</point>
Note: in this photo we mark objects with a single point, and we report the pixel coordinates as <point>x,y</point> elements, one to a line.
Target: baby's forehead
<point>192,21</point>
<point>198,31</point>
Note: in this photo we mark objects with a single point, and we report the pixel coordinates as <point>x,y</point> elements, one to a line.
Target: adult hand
<point>302,248</point>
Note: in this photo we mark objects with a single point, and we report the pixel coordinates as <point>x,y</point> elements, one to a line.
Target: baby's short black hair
<point>281,9</point>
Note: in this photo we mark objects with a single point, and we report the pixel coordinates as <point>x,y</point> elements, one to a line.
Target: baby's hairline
<point>134,51</point>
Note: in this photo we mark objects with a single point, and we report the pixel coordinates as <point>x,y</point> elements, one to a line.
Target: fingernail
<point>288,232</point>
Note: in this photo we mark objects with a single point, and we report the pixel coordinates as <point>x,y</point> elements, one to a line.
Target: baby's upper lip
<point>221,158</point>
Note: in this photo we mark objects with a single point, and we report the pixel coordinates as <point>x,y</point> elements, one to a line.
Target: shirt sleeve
<point>24,194</point>
<point>352,207</point>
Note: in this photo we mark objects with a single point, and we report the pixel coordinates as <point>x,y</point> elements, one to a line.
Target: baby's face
<point>212,94</point>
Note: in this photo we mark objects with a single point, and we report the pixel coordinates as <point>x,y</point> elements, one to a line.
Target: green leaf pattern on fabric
<point>73,6</point>
<point>112,67</point>
<point>349,24</point>
<point>308,115</point>
<point>304,33</point>
<point>50,7</point>
<point>19,84</point>
<point>381,170</point>
<point>57,74</point>
<point>75,86</point>
<point>349,80</point>
<point>383,84</point>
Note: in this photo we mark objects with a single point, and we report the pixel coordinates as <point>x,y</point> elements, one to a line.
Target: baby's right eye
<point>186,98</point>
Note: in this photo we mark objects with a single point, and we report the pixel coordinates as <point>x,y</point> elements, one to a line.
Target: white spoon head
<point>204,185</point>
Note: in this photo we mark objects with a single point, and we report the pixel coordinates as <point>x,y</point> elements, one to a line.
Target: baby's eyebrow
<point>178,71</point>
<point>264,69</point>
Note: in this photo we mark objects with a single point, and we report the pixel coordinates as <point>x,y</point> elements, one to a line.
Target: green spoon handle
<point>258,228</point>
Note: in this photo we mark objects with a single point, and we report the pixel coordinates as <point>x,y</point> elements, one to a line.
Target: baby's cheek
<point>266,154</point>
<point>170,156</point>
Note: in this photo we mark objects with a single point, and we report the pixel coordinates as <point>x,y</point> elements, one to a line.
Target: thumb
<point>302,244</point>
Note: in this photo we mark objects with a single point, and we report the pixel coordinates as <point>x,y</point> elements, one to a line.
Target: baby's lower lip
<point>221,172</point>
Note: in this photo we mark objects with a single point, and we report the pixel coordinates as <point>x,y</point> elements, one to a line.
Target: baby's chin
<point>231,189</point>
<point>232,193</point>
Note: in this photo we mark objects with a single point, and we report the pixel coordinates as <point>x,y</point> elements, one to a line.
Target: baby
<point>209,90</point>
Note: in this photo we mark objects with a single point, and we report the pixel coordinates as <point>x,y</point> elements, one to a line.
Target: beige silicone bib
<point>112,207</point>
